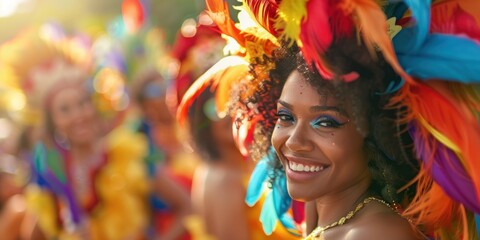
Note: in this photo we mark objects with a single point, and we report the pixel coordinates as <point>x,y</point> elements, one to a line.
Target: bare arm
<point>177,199</point>
<point>11,217</point>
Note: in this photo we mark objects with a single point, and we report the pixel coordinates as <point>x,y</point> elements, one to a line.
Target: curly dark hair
<point>389,148</point>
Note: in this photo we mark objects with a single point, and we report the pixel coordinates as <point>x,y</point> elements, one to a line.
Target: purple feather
<point>446,169</point>
<point>62,189</point>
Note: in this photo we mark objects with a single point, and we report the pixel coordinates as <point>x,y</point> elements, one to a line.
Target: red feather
<point>450,18</point>
<point>316,34</point>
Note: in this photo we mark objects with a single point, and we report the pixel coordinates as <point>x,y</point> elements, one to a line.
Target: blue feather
<point>442,57</point>
<point>281,199</point>
<point>268,217</point>
<point>421,12</point>
<point>289,224</point>
<point>392,87</point>
<point>256,184</point>
<point>395,9</point>
<point>477,221</point>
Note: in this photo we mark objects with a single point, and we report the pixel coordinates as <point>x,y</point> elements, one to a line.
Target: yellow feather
<point>290,17</point>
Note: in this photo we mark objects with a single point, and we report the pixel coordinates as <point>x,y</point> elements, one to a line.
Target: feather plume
<point>460,63</point>
<point>291,13</point>
<point>449,17</point>
<point>444,166</point>
<point>372,23</point>
<point>268,217</point>
<point>420,10</point>
<point>457,127</point>
<point>265,11</point>
<point>281,199</point>
<point>298,211</point>
<point>256,184</point>
<point>472,8</point>
<point>316,35</point>
<point>258,40</point>
<point>277,202</point>
<point>225,81</point>
<point>218,11</point>
<point>216,74</point>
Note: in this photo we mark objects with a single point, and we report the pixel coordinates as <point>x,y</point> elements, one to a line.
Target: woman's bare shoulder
<point>379,222</point>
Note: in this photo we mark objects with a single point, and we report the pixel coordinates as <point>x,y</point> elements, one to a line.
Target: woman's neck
<point>330,208</point>
<point>231,156</point>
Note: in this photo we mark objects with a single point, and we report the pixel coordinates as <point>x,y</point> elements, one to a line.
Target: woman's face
<point>317,143</point>
<point>73,115</point>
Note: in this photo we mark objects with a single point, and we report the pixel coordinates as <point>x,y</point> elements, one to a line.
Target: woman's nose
<point>299,139</point>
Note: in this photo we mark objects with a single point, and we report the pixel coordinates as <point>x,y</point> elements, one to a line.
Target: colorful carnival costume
<point>432,45</point>
<point>109,198</point>
<point>117,210</point>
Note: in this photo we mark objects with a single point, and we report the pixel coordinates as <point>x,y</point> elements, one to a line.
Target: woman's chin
<point>300,193</point>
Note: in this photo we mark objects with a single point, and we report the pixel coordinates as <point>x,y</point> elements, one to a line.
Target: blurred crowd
<point>90,147</point>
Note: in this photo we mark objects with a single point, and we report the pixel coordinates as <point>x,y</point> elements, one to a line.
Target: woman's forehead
<point>297,86</point>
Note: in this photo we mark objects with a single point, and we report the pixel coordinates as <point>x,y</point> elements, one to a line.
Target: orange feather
<point>218,11</point>
<point>224,72</point>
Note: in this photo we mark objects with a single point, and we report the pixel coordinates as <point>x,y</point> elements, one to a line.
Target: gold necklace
<point>317,233</point>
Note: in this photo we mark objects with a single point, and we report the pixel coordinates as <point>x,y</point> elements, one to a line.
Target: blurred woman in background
<point>89,177</point>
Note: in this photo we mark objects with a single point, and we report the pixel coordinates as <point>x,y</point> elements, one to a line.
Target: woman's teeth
<point>298,167</point>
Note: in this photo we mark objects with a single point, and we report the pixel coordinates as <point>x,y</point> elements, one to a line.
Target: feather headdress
<point>53,60</point>
<point>56,60</point>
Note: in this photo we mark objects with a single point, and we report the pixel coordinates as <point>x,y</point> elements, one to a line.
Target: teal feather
<point>268,216</point>
<point>256,185</point>
<point>441,56</point>
<point>289,224</point>
<point>40,156</point>
<point>281,199</point>
<point>421,12</point>
<point>477,222</point>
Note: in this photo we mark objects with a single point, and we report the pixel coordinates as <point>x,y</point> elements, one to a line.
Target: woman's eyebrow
<point>285,104</point>
<point>321,108</point>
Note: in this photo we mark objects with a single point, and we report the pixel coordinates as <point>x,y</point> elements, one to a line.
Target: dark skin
<point>322,152</point>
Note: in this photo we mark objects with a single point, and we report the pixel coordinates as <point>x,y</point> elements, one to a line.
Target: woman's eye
<point>326,122</point>
<point>284,116</point>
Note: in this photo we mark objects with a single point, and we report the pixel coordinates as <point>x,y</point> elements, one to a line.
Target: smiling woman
<point>325,138</point>
<point>348,119</point>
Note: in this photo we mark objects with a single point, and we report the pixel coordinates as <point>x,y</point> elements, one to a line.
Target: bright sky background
<point>16,15</point>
